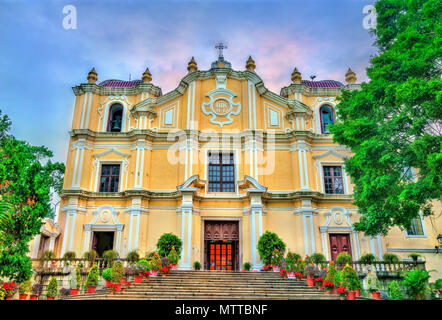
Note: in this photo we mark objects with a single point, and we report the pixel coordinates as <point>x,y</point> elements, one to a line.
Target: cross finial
<point>220,46</point>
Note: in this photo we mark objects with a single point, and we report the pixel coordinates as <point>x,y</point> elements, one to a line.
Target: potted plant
<point>276,260</point>
<point>24,289</point>
<point>391,258</point>
<point>156,264</point>
<point>132,257</point>
<point>10,288</point>
<point>112,287</point>
<point>343,259</point>
<point>367,258</point>
<point>328,287</point>
<point>247,266</point>
<point>267,243</point>
<point>310,271</point>
<point>394,291</point>
<point>143,269</point>
<point>342,292</point>
<point>36,290</point>
<point>298,275</point>
<point>173,258</point>
<point>416,283</point>
<point>75,281</point>
<point>290,263</point>
<point>52,289</point>
<point>64,292</point>
<point>92,279</point>
<point>414,256</point>
<point>438,285</point>
<point>109,256</point>
<point>115,281</point>
<point>318,259</point>
<point>68,257</point>
<point>197,265</point>
<point>164,271</point>
<point>373,285</point>
<point>283,272</point>
<point>107,276</point>
<point>331,272</point>
<point>90,256</point>
<point>319,282</point>
<point>268,267</point>
<point>350,280</point>
<point>119,272</point>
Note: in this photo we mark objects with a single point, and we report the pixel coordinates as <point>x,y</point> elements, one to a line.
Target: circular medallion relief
<point>221,107</point>
<point>105,215</point>
<point>338,218</point>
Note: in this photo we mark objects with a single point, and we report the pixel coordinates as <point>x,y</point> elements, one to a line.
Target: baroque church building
<point>217,161</point>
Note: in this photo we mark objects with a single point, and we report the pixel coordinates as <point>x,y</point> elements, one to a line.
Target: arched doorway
<point>221,245</point>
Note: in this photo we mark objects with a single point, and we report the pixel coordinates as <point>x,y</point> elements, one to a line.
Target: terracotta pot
<point>74,292</point>
<point>351,295</point>
<point>108,283</point>
<point>117,287</point>
<point>358,292</point>
<point>335,290</point>
<point>123,280</point>
<point>111,292</point>
<point>33,297</point>
<point>50,298</point>
<point>163,275</point>
<point>342,298</point>
<point>328,292</point>
<point>138,278</point>
<point>376,295</point>
<point>22,296</point>
<point>90,289</point>
<point>310,281</point>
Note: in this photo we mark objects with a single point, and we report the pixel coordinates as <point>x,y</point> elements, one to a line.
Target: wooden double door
<point>339,243</point>
<point>221,245</point>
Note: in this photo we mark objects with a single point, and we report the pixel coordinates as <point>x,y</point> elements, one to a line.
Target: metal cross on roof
<point>220,46</point>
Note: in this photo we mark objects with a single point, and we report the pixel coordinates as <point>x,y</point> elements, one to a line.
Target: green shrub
<point>155,262</point>
<point>118,271</point>
<point>197,265</point>
<point>438,284</point>
<point>133,257</point>
<point>25,287</point>
<point>93,276</point>
<point>69,256</point>
<point>267,243</point>
<point>394,291</point>
<point>300,266</point>
<point>78,274</point>
<point>107,274</point>
<point>166,242</point>
<point>173,256</point>
<point>291,260</point>
<point>350,278</point>
<point>416,283</point>
<point>318,258</point>
<point>331,273</point>
<point>414,256</point>
<point>367,258</point>
<point>52,289</point>
<point>308,259</point>
<point>342,259</point>
<point>391,258</point>
<point>276,258</point>
<point>90,256</point>
<point>338,278</point>
<point>109,256</point>
<point>247,266</point>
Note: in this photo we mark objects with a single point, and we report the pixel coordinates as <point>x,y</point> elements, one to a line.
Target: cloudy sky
<point>40,60</point>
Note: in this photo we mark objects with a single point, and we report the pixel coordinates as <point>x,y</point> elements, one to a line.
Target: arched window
<point>115,118</point>
<point>327,117</point>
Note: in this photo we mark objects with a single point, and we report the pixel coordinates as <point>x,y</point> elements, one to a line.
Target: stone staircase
<point>215,285</point>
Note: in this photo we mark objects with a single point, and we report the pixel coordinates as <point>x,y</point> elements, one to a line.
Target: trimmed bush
<point>110,256</point>
<point>391,258</point>
<point>197,265</point>
<point>276,258</point>
<point>416,283</point>
<point>90,256</point>
<point>438,284</point>
<point>318,258</point>
<point>107,274</point>
<point>25,287</point>
<point>93,276</point>
<point>166,242</point>
<point>52,289</point>
<point>367,258</point>
<point>394,291</point>
<point>331,272</point>
<point>133,257</point>
<point>69,256</point>
<point>350,278</point>
<point>267,243</point>
<point>247,266</point>
<point>290,261</point>
<point>342,259</point>
<point>173,256</point>
<point>155,262</point>
<point>118,271</point>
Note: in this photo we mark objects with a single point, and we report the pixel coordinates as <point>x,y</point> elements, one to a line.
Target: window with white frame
<point>221,172</point>
<point>333,180</point>
<point>110,177</point>
<point>417,227</point>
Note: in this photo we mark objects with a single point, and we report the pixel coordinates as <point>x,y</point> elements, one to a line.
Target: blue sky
<point>40,61</point>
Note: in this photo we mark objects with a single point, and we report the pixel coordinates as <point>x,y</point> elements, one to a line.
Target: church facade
<point>217,161</point>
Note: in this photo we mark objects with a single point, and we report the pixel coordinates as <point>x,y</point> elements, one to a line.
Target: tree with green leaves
<point>27,177</point>
<point>393,123</point>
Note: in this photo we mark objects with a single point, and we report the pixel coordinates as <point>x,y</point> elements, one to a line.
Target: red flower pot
<point>74,292</point>
<point>123,280</point>
<point>90,289</point>
<point>335,290</point>
<point>351,295</point>
<point>108,283</point>
<point>22,296</point>
<point>33,297</point>
<point>341,298</point>
<point>51,298</point>
<point>310,281</point>
<point>358,292</point>
<point>376,295</point>
<point>328,292</point>
<point>138,278</point>
<point>117,287</point>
